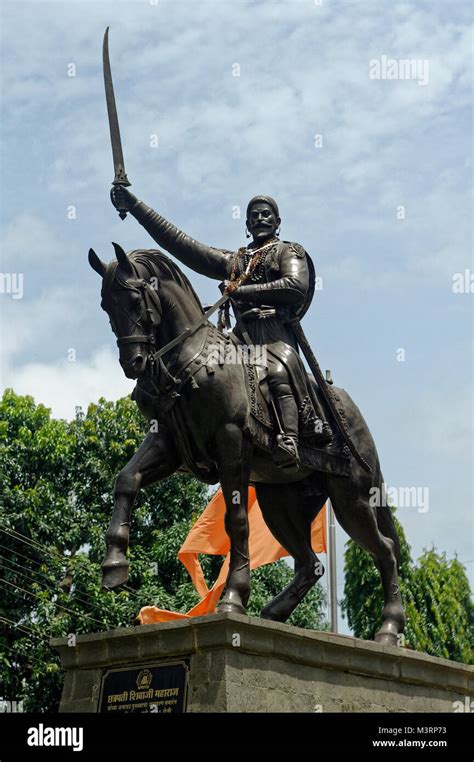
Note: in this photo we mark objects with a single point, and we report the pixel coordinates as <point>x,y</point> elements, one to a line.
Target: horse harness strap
<point>189,331</point>
<point>166,386</point>
<point>169,392</point>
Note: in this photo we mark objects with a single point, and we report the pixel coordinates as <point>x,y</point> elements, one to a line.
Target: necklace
<point>254,260</point>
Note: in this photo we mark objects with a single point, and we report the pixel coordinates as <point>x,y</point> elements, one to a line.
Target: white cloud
<point>28,238</point>
<point>32,325</point>
<point>440,427</point>
<point>63,385</point>
<point>311,75</point>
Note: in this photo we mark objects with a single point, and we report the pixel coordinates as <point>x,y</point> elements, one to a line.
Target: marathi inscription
<point>159,689</point>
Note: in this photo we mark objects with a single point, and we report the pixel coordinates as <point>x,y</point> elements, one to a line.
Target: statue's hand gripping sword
<point>119,167</point>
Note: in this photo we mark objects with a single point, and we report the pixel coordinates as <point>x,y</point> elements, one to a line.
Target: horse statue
<point>211,419</point>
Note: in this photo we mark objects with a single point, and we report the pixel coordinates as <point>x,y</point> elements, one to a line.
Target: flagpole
<point>332,551</point>
<point>332,567</point>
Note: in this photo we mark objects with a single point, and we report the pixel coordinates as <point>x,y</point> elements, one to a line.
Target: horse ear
<point>96,263</point>
<point>122,259</point>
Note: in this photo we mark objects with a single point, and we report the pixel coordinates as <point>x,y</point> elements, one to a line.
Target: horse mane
<point>158,265</point>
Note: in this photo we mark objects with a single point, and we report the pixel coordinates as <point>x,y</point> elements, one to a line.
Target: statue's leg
<point>289,517</point>
<point>373,529</point>
<point>234,451</point>
<point>286,451</point>
<point>155,459</point>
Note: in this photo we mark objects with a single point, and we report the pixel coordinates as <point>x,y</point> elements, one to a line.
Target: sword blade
<point>119,166</point>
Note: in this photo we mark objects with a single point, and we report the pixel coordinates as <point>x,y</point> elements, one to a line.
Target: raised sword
<point>117,153</point>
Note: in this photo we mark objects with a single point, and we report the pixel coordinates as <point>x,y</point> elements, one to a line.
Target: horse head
<point>133,306</point>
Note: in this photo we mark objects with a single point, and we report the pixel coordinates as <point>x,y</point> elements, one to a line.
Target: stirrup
<point>286,454</point>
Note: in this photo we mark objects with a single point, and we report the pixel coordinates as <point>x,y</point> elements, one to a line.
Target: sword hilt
<point>120,179</point>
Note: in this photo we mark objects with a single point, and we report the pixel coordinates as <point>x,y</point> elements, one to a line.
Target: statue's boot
<point>286,453</point>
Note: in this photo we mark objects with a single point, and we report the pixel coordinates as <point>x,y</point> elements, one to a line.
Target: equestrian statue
<point>236,405</point>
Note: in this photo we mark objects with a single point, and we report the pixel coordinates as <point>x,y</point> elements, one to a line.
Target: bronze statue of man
<point>277,284</point>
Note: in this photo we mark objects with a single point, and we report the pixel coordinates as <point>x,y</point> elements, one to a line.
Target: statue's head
<point>263,219</point>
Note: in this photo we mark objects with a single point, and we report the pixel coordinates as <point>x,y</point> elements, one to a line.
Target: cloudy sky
<point>372,175</point>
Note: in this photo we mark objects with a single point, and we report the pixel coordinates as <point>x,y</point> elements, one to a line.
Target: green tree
<point>56,481</point>
<point>436,595</point>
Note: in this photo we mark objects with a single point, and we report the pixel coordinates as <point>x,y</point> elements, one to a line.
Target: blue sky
<point>387,273</point>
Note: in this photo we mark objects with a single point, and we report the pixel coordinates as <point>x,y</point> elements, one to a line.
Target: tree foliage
<point>56,481</point>
<point>436,595</point>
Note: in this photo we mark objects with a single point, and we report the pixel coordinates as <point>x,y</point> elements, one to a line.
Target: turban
<point>263,200</point>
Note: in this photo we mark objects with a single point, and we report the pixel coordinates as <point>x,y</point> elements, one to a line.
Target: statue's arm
<point>290,288</point>
<point>199,257</point>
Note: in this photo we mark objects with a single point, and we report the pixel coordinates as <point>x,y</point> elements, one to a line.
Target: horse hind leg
<point>289,519</point>
<point>360,520</point>
<point>393,613</point>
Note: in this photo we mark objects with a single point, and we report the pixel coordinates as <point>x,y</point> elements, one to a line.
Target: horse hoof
<point>386,639</point>
<point>230,608</point>
<point>281,607</point>
<point>114,575</point>
<point>387,635</point>
<point>268,615</point>
<point>231,603</point>
<point>274,613</point>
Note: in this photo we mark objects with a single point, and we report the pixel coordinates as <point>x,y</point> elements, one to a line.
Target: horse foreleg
<point>233,462</point>
<point>155,459</point>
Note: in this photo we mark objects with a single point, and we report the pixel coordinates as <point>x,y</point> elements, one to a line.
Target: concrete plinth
<point>242,664</point>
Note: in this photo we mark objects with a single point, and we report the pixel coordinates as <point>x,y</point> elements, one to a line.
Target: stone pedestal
<point>242,664</point>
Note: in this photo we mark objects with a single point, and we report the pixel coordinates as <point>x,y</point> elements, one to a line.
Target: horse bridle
<point>148,298</point>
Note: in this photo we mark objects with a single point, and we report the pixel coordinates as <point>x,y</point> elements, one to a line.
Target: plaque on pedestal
<point>155,688</point>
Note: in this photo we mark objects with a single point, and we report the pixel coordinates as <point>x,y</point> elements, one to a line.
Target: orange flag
<point>208,535</point>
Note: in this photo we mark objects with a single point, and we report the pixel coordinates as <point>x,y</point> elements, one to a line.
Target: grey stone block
<point>269,667</point>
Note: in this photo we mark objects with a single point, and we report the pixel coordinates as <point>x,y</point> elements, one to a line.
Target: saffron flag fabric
<point>208,536</point>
